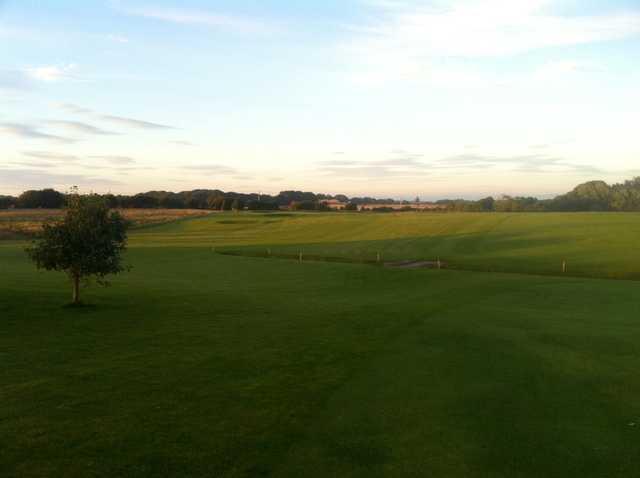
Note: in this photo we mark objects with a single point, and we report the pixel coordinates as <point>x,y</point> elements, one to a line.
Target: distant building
<point>334,204</point>
<point>413,205</point>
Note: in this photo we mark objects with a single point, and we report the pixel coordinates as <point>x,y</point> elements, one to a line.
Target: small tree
<point>87,242</point>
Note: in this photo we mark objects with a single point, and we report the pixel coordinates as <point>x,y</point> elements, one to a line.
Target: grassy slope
<point>594,245</point>
<point>197,364</point>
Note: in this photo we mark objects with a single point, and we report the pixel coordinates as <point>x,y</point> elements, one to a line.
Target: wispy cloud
<point>406,41</point>
<point>75,109</point>
<point>182,143</point>
<point>222,21</point>
<point>121,121</point>
<point>28,178</point>
<point>51,73</point>
<point>133,123</point>
<point>118,38</point>
<point>51,156</point>
<point>115,159</point>
<point>80,127</point>
<point>531,163</point>
<point>219,169</point>
<point>397,166</point>
<point>25,131</point>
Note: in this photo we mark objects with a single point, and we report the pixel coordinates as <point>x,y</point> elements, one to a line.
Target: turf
<point>200,364</point>
<point>604,245</point>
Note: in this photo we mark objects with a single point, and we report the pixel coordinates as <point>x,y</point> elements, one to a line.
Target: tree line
<point>590,196</point>
<point>212,199</point>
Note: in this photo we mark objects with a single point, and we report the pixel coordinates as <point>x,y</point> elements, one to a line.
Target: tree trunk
<point>76,288</point>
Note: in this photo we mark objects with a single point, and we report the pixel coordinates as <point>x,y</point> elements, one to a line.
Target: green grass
<point>199,364</point>
<point>605,245</point>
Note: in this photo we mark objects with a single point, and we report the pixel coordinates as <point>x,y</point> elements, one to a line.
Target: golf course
<point>292,344</point>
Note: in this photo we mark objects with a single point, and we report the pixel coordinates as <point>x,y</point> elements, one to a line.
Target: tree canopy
<point>88,242</point>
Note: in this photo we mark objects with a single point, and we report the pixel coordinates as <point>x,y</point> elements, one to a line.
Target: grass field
<point>20,223</point>
<point>201,364</point>
<point>592,244</point>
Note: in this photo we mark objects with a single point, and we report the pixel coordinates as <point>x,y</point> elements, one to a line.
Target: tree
<point>487,204</point>
<point>215,202</point>
<point>237,205</point>
<point>46,198</point>
<point>7,201</point>
<point>87,242</point>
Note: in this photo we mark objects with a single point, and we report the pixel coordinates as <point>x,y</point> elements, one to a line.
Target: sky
<point>387,98</point>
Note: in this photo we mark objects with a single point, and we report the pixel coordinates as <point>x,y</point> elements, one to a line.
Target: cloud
<point>51,156</point>
<point>219,169</point>
<point>33,178</point>
<point>532,163</point>
<point>409,41</point>
<point>75,109</point>
<point>115,159</point>
<point>404,164</point>
<point>116,120</point>
<point>15,80</point>
<point>407,166</point>
<point>79,127</point>
<point>134,123</point>
<point>51,73</point>
<point>118,38</point>
<point>221,21</point>
<point>33,164</point>
<point>182,143</point>
<point>25,131</point>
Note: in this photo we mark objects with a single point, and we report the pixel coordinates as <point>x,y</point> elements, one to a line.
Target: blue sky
<point>382,97</point>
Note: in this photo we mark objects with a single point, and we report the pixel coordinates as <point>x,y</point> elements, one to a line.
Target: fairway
<point>199,364</point>
<point>592,244</point>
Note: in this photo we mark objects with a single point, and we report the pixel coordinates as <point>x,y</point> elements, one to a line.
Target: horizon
<point>413,200</point>
<point>381,98</point>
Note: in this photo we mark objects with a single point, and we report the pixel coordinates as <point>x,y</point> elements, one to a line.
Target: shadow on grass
<point>481,252</point>
<point>80,306</point>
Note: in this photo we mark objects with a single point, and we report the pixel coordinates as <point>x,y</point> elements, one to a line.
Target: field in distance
<point>17,223</point>
<point>591,244</point>
<point>203,364</point>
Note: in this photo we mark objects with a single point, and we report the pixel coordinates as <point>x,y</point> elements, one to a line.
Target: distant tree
<point>7,201</point>
<point>308,205</point>
<point>87,242</point>
<point>285,198</point>
<point>110,200</point>
<point>215,202</point>
<point>341,198</point>
<point>351,207</point>
<point>171,201</point>
<point>227,204</point>
<point>262,205</point>
<point>486,204</point>
<point>237,204</point>
<point>144,201</point>
<point>45,198</point>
